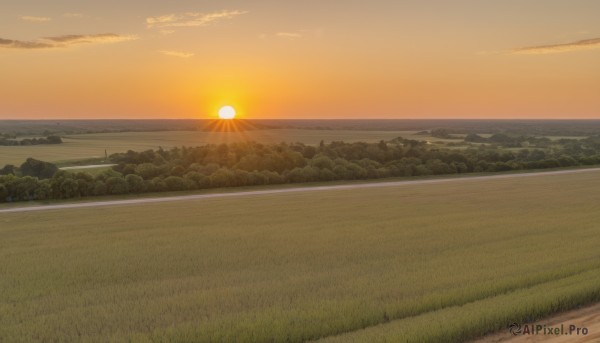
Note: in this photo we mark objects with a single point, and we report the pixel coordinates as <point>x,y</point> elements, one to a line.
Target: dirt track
<point>286,190</point>
<point>588,317</point>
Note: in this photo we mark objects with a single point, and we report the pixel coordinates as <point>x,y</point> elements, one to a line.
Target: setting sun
<point>227,112</point>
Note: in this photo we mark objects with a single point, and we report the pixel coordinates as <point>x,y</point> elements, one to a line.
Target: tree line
<point>250,164</point>
<point>7,140</point>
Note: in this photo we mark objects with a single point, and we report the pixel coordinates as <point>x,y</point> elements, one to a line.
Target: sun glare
<point>227,112</point>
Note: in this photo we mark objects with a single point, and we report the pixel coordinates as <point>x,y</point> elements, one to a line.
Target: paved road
<point>87,167</point>
<point>286,190</point>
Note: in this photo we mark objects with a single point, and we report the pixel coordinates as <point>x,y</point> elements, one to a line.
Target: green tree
<point>107,174</point>
<point>54,140</point>
<point>3,193</point>
<point>240,177</point>
<point>257,178</point>
<point>9,169</point>
<point>194,177</point>
<point>147,170</point>
<point>177,171</point>
<point>175,183</point>
<point>86,183</point>
<point>117,185</point>
<point>273,177</point>
<point>100,188</point>
<point>136,183</point>
<point>39,169</point>
<point>222,178</point>
<point>43,190</point>
<point>68,188</point>
<point>296,175</point>
<point>322,162</point>
<point>159,185</point>
<point>327,175</point>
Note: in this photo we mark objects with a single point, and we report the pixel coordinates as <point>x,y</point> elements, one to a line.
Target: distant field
<point>553,138</point>
<point>76,147</point>
<point>537,127</point>
<point>304,266</point>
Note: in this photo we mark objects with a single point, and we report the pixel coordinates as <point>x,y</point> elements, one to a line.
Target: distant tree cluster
<point>8,140</point>
<point>442,133</point>
<point>509,141</point>
<point>250,164</point>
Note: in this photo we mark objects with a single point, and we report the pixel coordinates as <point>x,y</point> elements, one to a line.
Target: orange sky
<point>301,59</point>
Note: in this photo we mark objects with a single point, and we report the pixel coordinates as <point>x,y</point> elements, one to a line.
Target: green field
<point>84,146</point>
<point>304,266</point>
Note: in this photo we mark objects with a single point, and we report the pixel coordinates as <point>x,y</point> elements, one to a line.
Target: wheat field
<point>414,263</point>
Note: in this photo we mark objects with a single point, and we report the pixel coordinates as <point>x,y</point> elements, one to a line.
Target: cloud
<point>293,35</point>
<point>161,20</point>
<point>16,44</point>
<point>290,35</point>
<point>190,19</point>
<point>64,41</point>
<point>586,44</point>
<point>72,15</point>
<point>180,54</point>
<point>35,19</point>
<point>166,32</point>
<point>99,38</point>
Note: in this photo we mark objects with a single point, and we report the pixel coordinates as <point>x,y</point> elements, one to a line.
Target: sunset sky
<point>300,59</point>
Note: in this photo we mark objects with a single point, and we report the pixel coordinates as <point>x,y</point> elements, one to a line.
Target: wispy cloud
<point>586,44</point>
<point>99,38</point>
<point>72,15</point>
<point>179,54</point>
<point>290,35</point>
<point>190,19</point>
<point>64,41</point>
<point>35,19</point>
<point>17,44</point>
<point>293,35</point>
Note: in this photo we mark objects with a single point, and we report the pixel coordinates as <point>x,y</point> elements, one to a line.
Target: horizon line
<point>314,119</point>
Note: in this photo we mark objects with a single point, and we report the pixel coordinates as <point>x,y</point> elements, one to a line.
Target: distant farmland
<point>84,146</point>
<point>305,266</point>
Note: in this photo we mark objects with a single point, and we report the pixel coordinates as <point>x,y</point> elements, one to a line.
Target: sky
<point>313,59</point>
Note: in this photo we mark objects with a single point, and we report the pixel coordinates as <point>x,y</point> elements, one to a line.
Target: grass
<point>456,323</point>
<point>305,266</point>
